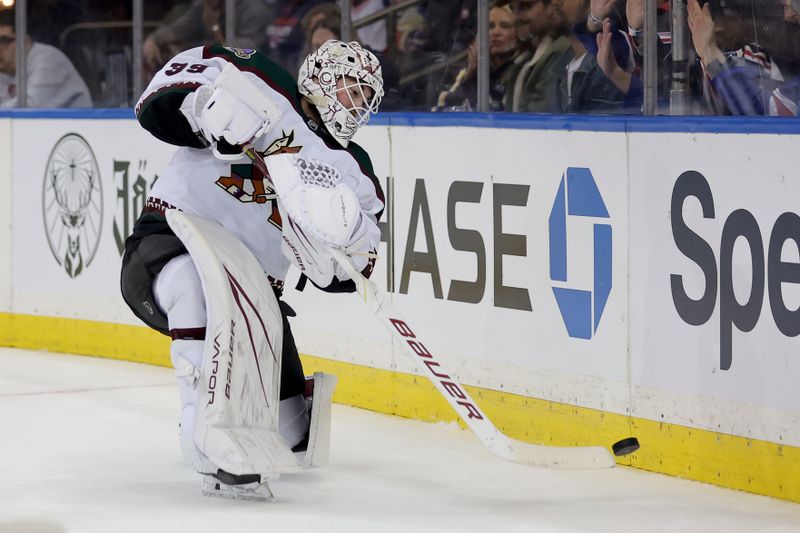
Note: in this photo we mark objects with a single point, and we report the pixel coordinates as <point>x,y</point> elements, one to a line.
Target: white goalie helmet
<point>342,72</point>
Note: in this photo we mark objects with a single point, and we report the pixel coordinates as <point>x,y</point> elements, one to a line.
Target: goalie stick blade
<point>561,457</point>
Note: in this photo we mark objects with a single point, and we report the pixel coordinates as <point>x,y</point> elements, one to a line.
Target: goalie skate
<point>250,487</point>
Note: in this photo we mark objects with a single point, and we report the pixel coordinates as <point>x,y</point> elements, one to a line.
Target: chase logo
<point>580,308</point>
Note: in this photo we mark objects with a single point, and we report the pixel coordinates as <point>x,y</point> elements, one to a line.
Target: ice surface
<point>90,445</point>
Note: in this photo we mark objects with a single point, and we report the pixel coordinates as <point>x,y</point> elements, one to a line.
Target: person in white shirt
<point>373,35</point>
<point>52,80</point>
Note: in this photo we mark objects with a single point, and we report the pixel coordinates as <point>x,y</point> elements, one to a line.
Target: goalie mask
<point>345,83</point>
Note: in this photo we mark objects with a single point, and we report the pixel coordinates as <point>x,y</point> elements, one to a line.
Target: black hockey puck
<point>625,446</point>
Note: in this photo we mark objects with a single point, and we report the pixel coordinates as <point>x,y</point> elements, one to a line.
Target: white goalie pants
<point>179,294</point>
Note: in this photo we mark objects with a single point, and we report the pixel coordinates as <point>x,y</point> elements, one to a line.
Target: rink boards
<point>588,279</point>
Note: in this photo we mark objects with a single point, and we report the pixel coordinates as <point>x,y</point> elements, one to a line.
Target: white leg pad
<point>236,423</point>
<point>319,437</point>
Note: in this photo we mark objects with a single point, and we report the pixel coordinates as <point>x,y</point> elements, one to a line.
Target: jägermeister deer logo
<point>72,202</point>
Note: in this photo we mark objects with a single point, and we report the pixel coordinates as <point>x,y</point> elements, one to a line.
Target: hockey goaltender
<point>207,258</point>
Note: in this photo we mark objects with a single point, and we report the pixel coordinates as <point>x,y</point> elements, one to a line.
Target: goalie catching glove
<point>319,211</point>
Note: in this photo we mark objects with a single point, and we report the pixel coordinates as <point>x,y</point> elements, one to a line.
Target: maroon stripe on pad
<point>188,334</point>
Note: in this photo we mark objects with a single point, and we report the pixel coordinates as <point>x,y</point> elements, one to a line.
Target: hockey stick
<point>500,444</point>
<point>577,457</point>
<point>497,442</point>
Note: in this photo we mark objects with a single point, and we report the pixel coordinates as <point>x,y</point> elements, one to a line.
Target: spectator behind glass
<point>619,53</point>
<point>52,17</point>
<point>52,80</point>
<point>583,87</point>
<point>203,23</point>
<point>533,83</point>
<point>526,46</point>
<point>286,34</point>
<point>323,31</point>
<point>372,35</point>
<point>321,23</point>
<point>410,39</point>
<point>452,23</point>
<point>463,94</point>
<point>748,80</point>
<point>785,100</point>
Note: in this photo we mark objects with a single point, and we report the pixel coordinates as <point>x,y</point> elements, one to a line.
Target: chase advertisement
<point>584,268</point>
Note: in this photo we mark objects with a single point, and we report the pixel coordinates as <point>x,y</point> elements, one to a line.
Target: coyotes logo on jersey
<point>246,182</point>
<point>283,145</point>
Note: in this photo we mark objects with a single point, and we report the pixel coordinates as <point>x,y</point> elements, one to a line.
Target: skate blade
<point>256,492</point>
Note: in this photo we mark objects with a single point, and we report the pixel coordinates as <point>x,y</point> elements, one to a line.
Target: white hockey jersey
<point>234,193</point>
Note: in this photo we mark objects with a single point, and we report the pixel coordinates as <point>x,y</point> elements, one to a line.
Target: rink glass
<point>733,57</point>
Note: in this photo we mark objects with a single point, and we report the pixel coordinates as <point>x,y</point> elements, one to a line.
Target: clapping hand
<point>701,26</point>
<point>608,63</point>
<point>599,9</point>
